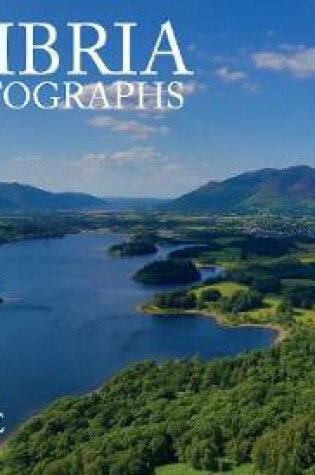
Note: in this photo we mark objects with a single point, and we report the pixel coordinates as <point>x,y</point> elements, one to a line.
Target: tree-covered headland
<point>257,407</point>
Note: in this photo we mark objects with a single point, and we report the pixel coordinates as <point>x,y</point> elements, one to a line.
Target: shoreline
<point>145,309</point>
<point>220,319</point>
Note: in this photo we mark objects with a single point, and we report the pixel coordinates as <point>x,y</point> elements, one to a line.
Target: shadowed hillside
<point>15,197</point>
<point>290,191</point>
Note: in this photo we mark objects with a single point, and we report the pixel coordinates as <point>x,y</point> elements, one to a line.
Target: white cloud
<point>230,76</point>
<point>193,87</point>
<point>252,88</point>
<point>133,128</point>
<point>133,88</point>
<point>132,156</point>
<point>26,159</point>
<point>111,93</point>
<point>297,60</point>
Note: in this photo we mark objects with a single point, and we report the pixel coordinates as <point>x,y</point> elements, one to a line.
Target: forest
<point>133,248</point>
<point>257,407</point>
<point>168,272</point>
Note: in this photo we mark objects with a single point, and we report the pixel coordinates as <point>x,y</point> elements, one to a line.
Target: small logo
<point>2,426</point>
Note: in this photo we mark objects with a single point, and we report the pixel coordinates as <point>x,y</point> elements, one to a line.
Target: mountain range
<point>15,197</point>
<point>288,191</point>
<point>20,198</point>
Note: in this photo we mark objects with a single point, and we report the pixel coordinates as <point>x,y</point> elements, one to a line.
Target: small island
<point>133,248</point>
<point>168,272</point>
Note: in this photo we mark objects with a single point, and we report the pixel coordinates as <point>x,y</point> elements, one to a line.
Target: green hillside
<point>289,191</point>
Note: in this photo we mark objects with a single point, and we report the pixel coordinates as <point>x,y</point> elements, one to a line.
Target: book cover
<point>157,237</point>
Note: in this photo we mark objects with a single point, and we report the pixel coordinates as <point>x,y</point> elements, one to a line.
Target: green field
<point>306,253</point>
<point>305,316</point>
<point>227,257</point>
<point>181,469</point>
<point>226,288</point>
<point>268,312</point>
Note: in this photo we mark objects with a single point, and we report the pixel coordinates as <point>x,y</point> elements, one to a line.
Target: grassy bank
<point>221,319</point>
<point>182,469</point>
<point>263,317</point>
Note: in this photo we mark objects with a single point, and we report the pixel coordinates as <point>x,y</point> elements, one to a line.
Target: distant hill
<point>15,197</point>
<point>290,191</point>
<point>140,204</point>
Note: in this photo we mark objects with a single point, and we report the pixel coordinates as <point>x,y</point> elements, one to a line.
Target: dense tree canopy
<point>175,300</point>
<point>193,252</point>
<point>168,272</point>
<point>241,301</point>
<point>258,405</point>
<point>133,248</point>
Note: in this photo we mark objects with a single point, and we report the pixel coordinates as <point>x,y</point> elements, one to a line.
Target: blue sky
<point>251,102</point>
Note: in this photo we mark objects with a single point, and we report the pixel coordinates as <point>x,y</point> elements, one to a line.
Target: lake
<point>69,322</point>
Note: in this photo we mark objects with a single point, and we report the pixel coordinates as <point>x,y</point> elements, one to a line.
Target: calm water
<point>70,322</point>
